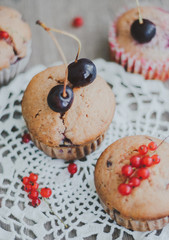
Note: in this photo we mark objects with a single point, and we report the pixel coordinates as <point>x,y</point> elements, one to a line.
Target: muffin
<point>78,131</point>
<point>136,199</point>
<point>15,44</point>
<point>148,56</point>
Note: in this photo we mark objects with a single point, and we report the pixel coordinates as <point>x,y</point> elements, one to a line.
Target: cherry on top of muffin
<point>142,30</point>
<point>79,73</point>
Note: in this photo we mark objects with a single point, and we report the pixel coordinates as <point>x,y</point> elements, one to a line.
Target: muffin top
<point>15,46</point>
<point>89,116</point>
<point>148,201</point>
<point>158,47</point>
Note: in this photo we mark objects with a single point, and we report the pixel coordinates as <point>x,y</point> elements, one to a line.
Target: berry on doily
<point>77,22</point>
<point>25,180</point>
<point>33,177</point>
<point>28,187</point>
<point>36,202</point>
<point>26,138</point>
<point>72,168</point>
<point>33,194</point>
<point>46,192</point>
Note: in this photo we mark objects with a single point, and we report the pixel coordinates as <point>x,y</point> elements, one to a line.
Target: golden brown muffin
<point>146,207</point>
<point>78,131</point>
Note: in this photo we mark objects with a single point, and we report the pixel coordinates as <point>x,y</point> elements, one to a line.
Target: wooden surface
<point>97,15</point>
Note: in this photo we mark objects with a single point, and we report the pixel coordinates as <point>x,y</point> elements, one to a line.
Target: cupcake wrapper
<point>149,69</point>
<point>136,225</point>
<point>69,153</point>
<point>9,73</point>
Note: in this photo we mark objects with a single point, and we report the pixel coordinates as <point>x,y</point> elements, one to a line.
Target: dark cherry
<point>57,102</point>
<point>82,72</point>
<point>143,33</point>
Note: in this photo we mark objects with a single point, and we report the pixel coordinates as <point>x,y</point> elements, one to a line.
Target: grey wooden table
<point>97,15</point>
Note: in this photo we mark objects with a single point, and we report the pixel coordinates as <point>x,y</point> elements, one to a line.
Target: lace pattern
<point>142,107</point>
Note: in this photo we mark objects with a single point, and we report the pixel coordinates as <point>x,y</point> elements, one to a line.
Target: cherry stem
<point>139,12</point>
<point>51,210</point>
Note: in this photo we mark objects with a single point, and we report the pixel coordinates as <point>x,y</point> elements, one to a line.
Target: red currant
<point>25,180</point>
<point>33,194</point>
<point>4,35</point>
<point>152,146</point>
<point>143,173</point>
<point>134,182</point>
<point>28,187</point>
<point>124,189</point>
<point>146,161</point>
<point>36,202</point>
<point>26,138</point>
<point>46,192</point>
<point>143,149</point>
<point>156,159</point>
<point>72,168</point>
<point>78,22</point>
<point>135,161</point>
<point>33,177</point>
<point>127,170</point>
<point>35,186</point>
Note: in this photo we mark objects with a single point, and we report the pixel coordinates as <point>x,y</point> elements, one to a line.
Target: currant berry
<point>27,187</point>
<point>152,146</point>
<point>134,182</point>
<point>146,161</point>
<point>57,102</point>
<point>26,138</point>
<point>143,173</point>
<point>124,189</point>
<point>143,32</point>
<point>135,161</point>
<point>82,72</point>
<point>35,186</point>
<point>25,180</point>
<point>36,202</point>
<point>127,170</point>
<point>156,159</point>
<point>143,149</point>
<point>72,168</point>
<point>4,35</point>
<point>33,194</point>
<point>77,22</point>
<point>46,192</point>
<point>33,177</point>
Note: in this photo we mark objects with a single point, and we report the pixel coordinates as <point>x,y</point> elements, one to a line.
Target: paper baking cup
<point>68,153</point>
<point>8,74</point>
<point>149,69</point>
<point>136,225</point>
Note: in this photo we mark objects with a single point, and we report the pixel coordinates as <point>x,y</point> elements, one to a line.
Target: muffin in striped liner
<point>151,59</point>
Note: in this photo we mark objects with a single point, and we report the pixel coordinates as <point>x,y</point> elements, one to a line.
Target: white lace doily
<point>142,108</point>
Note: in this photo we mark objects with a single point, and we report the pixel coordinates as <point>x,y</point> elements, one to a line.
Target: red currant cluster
<point>32,187</point>
<point>137,170</point>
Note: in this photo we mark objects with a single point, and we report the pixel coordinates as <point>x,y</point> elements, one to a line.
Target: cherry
<point>135,161</point>
<point>46,192</point>
<point>57,102</point>
<point>143,32</point>
<point>26,138</point>
<point>33,177</point>
<point>25,180</point>
<point>152,146</point>
<point>36,202</point>
<point>4,35</point>
<point>143,149</point>
<point>143,173</point>
<point>28,187</point>
<point>156,159</point>
<point>124,189</point>
<point>33,194</point>
<point>147,161</point>
<point>82,72</point>
<point>134,182</point>
<point>127,170</point>
<point>77,22</point>
<point>72,168</point>
<point>35,186</point>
